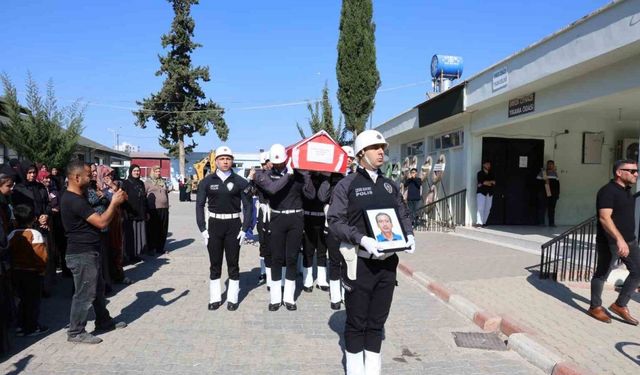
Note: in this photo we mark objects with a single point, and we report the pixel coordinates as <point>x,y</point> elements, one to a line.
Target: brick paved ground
<point>504,281</point>
<point>171,331</point>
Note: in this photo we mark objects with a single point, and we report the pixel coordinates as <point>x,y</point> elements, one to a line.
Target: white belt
<point>285,211</point>
<point>365,254</point>
<point>224,216</point>
<point>314,213</point>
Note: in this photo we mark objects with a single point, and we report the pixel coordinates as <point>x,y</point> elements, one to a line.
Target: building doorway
<point>515,163</point>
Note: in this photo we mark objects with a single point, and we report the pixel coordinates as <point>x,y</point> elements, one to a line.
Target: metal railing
<point>442,215</point>
<point>572,255</point>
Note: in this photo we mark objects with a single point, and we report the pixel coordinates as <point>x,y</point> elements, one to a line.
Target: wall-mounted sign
<point>500,79</point>
<point>523,162</point>
<point>524,104</point>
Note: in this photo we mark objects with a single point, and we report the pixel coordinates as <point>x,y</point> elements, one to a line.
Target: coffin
<point>318,153</point>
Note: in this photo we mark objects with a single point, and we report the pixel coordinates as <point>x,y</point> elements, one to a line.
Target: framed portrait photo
<point>384,226</point>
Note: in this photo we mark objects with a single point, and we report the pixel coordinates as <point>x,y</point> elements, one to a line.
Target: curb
<point>520,336</point>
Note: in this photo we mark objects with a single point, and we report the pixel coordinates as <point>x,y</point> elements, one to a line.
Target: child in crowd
<point>28,261</point>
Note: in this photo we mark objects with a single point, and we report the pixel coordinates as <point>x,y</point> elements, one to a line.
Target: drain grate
<point>479,340</point>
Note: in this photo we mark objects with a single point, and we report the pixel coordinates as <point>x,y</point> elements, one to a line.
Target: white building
<point>572,97</point>
<point>127,147</point>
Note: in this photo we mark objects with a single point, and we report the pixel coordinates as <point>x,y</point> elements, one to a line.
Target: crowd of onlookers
<point>33,242</point>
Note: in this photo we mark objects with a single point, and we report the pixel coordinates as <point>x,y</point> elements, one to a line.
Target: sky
<point>266,58</point>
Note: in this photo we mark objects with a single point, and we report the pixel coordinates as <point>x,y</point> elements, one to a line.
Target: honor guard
<point>284,188</point>
<point>263,222</point>
<point>223,192</point>
<point>351,157</point>
<point>369,277</point>
<point>333,244</point>
<point>314,239</point>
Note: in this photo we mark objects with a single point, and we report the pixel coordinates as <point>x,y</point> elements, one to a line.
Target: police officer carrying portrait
<point>223,194</point>
<point>284,187</point>
<point>369,277</point>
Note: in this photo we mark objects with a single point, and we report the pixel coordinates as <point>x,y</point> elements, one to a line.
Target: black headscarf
<point>136,206</point>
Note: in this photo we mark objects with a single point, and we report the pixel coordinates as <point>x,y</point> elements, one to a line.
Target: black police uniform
<point>314,237</point>
<point>333,244</point>
<point>368,298</point>
<point>284,192</point>
<point>263,221</point>
<point>223,200</point>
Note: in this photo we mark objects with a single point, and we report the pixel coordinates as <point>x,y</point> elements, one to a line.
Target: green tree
<point>358,77</point>
<point>40,131</point>
<point>321,118</point>
<point>180,109</point>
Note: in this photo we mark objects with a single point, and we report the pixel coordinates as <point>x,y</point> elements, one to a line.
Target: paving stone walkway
<point>171,331</point>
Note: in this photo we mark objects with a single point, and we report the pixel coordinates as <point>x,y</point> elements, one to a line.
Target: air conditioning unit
<point>628,149</point>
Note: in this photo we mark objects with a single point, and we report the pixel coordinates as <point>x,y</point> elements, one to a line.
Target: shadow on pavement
<point>558,291</point>
<point>621,348</point>
<point>248,282</point>
<point>173,245</point>
<point>20,365</point>
<point>336,323</point>
<point>145,301</point>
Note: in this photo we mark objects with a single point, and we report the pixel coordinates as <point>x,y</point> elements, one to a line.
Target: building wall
<point>147,163</point>
<point>579,182</point>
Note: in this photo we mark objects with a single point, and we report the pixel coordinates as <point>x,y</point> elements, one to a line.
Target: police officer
<point>284,188</point>
<point>369,276</point>
<point>351,157</point>
<point>314,239</point>
<point>333,244</point>
<point>223,192</point>
<point>263,221</point>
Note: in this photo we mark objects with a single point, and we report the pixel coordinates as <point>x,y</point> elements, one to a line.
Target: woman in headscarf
<point>44,178</point>
<point>115,264</point>
<point>135,215</point>
<point>99,202</point>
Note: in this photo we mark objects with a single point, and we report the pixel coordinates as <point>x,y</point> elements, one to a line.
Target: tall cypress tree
<point>180,108</point>
<point>358,77</point>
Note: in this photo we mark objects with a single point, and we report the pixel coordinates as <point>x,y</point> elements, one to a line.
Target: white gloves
<point>411,242</point>
<point>371,245</point>
<point>241,237</point>
<point>205,236</point>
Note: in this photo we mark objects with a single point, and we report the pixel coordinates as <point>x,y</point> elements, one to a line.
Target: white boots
<point>363,363</point>
<point>334,294</point>
<point>355,363</point>
<point>215,294</point>
<point>289,291</point>
<point>322,277</point>
<point>307,277</point>
<point>276,293</point>
<point>268,273</point>
<point>232,295</point>
<point>372,363</point>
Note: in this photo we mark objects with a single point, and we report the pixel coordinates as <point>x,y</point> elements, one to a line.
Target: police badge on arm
<point>383,225</point>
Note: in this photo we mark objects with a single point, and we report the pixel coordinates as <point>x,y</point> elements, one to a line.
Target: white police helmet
<point>368,138</point>
<point>223,151</point>
<point>349,151</point>
<point>264,157</point>
<point>277,154</point>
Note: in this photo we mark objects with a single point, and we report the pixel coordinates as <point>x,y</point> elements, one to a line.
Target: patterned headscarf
<point>103,171</point>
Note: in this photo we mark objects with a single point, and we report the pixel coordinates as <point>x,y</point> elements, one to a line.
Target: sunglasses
<point>632,171</point>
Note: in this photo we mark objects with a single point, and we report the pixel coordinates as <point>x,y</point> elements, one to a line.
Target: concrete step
<point>526,239</point>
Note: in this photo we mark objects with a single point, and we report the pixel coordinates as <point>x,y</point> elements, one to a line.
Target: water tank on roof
<point>446,66</point>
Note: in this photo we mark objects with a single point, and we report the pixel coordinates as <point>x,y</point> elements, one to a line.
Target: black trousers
<point>28,287</point>
<point>157,229</point>
<point>335,258</point>
<point>367,302</point>
<point>314,241</point>
<point>263,236</point>
<point>607,257</point>
<point>88,290</point>
<point>285,242</point>
<point>223,241</point>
